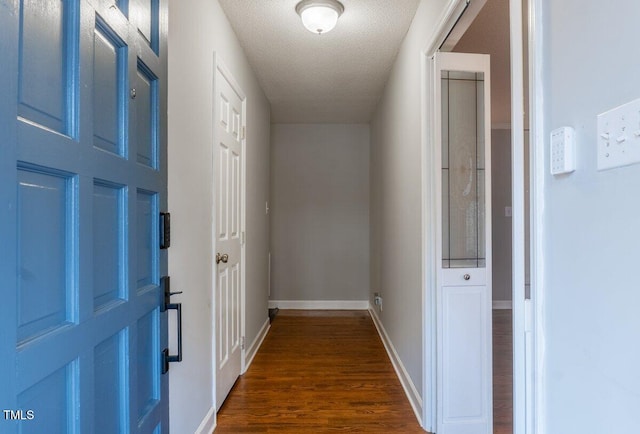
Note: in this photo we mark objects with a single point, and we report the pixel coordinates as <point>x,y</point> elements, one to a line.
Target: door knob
<point>222,258</point>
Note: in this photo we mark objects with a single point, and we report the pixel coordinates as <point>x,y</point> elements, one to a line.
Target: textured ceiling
<point>333,78</point>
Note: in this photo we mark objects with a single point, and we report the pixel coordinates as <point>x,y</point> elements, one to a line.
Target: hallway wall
<point>197,29</point>
<point>396,196</point>
<point>501,225</point>
<point>319,212</point>
<point>591,238</point>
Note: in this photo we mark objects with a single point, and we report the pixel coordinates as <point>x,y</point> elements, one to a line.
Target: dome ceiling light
<point>319,16</point>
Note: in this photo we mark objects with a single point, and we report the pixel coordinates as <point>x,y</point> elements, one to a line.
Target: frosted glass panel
<point>463,201</point>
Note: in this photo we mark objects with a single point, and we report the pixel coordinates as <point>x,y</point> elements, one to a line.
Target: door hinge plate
<point>243,133</point>
<point>242,343</point>
<point>165,230</point>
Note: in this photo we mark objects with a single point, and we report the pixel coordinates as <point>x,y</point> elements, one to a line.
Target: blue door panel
<point>109,89</point>
<point>147,235</point>
<point>148,22</point>
<point>82,182</point>
<point>8,182</point>
<point>48,63</point>
<point>123,6</point>
<point>147,116</point>
<point>53,403</point>
<point>108,244</point>
<point>110,397</point>
<point>148,350</point>
<point>45,251</point>
<point>144,18</point>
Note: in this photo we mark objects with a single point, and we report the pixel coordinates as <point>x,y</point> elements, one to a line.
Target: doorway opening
<point>488,28</point>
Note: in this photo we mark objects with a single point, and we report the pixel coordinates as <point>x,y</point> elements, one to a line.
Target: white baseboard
<point>208,424</point>
<point>255,345</point>
<point>407,384</point>
<point>502,304</point>
<point>320,304</point>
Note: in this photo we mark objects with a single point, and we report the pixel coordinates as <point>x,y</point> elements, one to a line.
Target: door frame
<point>220,66</point>
<point>535,407</point>
<point>527,399</point>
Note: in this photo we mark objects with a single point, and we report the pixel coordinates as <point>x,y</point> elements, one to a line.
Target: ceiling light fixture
<point>319,16</point>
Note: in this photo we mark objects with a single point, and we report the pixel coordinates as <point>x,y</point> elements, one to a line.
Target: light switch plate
<point>619,136</point>
<point>562,153</point>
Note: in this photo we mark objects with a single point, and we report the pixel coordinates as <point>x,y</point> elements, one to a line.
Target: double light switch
<point>619,136</point>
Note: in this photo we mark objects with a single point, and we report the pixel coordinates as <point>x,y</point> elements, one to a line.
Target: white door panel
<point>227,177</point>
<point>464,383</point>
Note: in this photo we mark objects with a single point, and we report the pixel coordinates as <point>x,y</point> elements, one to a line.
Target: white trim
<point>405,380</point>
<point>518,218</point>
<point>208,424</point>
<point>444,24</point>
<point>466,17</point>
<point>320,304</point>
<point>502,304</point>
<point>256,344</point>
<point>536,420</point>
<point>214,211</point>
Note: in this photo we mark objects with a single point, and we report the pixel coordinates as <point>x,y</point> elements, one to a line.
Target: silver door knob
<point>467,276</point>
<point>222,258</point>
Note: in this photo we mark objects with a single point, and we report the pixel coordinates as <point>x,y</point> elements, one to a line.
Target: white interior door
<point>464,371</point>
<point>229,125</point>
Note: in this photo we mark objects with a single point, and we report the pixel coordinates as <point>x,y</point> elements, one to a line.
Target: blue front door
<point>82,183</point>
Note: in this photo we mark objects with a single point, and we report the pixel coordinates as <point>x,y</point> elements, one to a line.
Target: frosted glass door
<point>463,170</point>
<point>464,397</point>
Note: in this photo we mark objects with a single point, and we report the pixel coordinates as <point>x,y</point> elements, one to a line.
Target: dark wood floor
<point>327,371</point>
<point>502,372</point>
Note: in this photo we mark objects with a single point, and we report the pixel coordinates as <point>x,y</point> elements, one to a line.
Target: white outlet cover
<point>562,152</point>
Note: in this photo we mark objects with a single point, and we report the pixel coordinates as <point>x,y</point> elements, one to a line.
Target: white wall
<point>396,195</point>
<point>319,212</point>
<point>197,29</point>
<point>500,223</point>
<point>591,224</point>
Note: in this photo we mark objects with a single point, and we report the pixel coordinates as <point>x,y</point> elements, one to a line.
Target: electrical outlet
<point>377,300</point>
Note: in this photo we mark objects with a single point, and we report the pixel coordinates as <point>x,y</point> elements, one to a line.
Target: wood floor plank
<point>327,371</point>
<point>322,371</point>
<point>502,372</point>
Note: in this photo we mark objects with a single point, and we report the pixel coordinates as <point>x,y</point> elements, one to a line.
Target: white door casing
<point>228,181</point>
<point>463,291</point>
